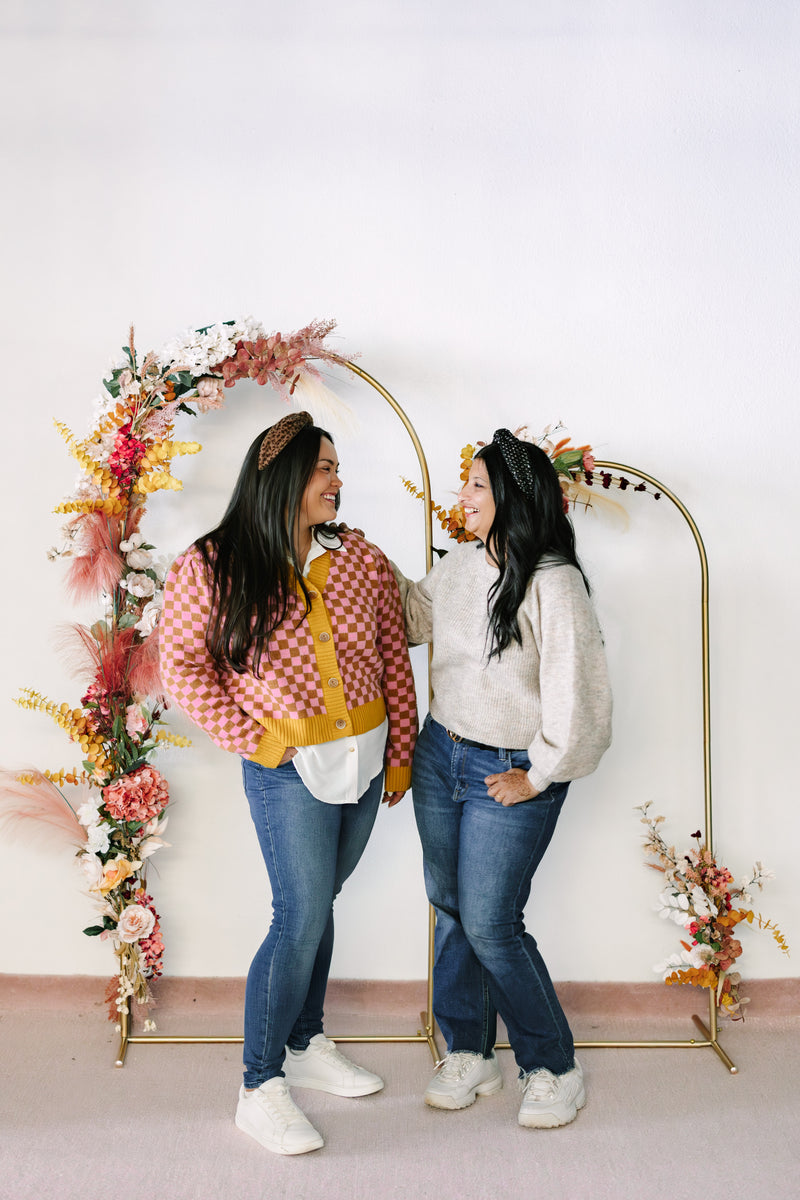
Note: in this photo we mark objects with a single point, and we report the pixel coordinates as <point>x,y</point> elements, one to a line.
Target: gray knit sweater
<point>550,695</point>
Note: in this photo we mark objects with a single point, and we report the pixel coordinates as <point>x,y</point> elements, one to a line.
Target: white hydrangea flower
<point>99,838</point>
<point>198,352</point>
<point>102,405</point>
<point>87,813</point>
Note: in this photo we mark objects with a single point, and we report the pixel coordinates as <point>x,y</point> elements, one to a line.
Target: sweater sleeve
<point>398,682</point>
<point>573,680</point>
<point>190,674</point>
<point>417,605</point>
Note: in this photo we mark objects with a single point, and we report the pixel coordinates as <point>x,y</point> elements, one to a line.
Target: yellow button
<point>324,637</point>
<point>333,683</point>
<point>341,723</point>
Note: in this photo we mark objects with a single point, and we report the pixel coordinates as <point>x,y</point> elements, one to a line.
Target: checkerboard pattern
<point>348,652</point>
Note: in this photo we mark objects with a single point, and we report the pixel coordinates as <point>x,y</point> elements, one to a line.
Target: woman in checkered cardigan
<point>282,636</point>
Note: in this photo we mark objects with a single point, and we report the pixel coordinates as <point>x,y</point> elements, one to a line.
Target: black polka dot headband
<point>516,457</point>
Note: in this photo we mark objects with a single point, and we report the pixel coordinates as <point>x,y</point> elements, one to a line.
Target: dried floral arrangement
<point>581,484</point>
<point>702,898</point>
<point>115,813</point>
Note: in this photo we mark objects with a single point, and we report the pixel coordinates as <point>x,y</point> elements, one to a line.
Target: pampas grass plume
<point>37,807</point>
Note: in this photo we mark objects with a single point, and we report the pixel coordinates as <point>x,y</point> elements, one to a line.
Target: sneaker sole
<point>489,1088</point>
<point>333,1089</point>
<point>550,1120</point>
<point>312,1144</point>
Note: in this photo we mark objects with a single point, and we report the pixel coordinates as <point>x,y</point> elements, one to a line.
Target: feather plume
<point>37,806</point>
<point>78,650</point>
<point>583,496</point>
<point>102,654</point>
<point>324,405</point>
<point>144,675</point>
<point>99,565</point>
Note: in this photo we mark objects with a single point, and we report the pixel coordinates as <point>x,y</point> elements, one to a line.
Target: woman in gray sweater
<point>521,706</point>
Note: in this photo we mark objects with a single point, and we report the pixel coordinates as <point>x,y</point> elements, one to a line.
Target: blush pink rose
<point>135,922</point>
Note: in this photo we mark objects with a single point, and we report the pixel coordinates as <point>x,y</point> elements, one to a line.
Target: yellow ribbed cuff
<point>397,779</point>
<point>270,750</point>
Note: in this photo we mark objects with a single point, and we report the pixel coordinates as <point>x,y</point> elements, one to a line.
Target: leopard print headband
<point>279,435</point>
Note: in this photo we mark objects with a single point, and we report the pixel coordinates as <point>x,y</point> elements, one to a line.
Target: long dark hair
<point>526,530</point>
<point>251,555</point>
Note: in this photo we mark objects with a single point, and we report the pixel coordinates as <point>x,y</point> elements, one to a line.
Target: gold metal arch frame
<point>426,1032</point>
<point>709,1033</point>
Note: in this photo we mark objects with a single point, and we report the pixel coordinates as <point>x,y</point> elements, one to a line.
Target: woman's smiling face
<point>477,501</point>
<point>319,501</point>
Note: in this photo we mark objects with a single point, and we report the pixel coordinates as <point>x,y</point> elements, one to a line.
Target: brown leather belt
<point>462,741</point>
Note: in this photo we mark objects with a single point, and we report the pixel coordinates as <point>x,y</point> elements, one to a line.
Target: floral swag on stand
<point>116,815</point>
<point>703,898</point>
<point>581,485</point>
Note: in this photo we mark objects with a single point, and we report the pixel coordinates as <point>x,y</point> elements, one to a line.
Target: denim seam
<point>270,987</point>
<point>556,1023</point>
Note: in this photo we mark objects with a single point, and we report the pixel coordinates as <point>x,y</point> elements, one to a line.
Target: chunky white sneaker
<point>269,1115</point>
<point>461,1077</point>
<point>322,1067</point>
<point>550,1100</point>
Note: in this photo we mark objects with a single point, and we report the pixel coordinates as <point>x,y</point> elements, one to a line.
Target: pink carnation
<point>136,797</point>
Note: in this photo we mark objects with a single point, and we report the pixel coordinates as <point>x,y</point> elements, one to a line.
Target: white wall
<point>516,212</point>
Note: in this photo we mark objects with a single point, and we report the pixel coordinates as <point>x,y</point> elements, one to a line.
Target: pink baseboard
<point>584,1002</point>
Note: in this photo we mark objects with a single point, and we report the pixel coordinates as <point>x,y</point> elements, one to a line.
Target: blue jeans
<point>479,860</point>
<point>310,848</point>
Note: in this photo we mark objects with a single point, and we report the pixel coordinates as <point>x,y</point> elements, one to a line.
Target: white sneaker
<point>550,1100</point>
<point>322,1067</point>
<point>270,1116</point>
<point>461,1077</point>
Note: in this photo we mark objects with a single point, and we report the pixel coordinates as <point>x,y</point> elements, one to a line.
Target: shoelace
<point>540,1085</point>
<point>455,1066</point>
<point>280,1103</point>
<point>328,1050</point>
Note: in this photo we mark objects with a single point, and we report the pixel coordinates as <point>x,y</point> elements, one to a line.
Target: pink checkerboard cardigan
<point>337,672</point>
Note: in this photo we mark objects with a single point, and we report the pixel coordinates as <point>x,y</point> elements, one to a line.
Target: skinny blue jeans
<point>310,848</point>
<point>479,860</point>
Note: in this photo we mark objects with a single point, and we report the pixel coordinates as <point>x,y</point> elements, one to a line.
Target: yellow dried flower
<point>157,481</point>
<point>173,739</point>
<point>91,743</point>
